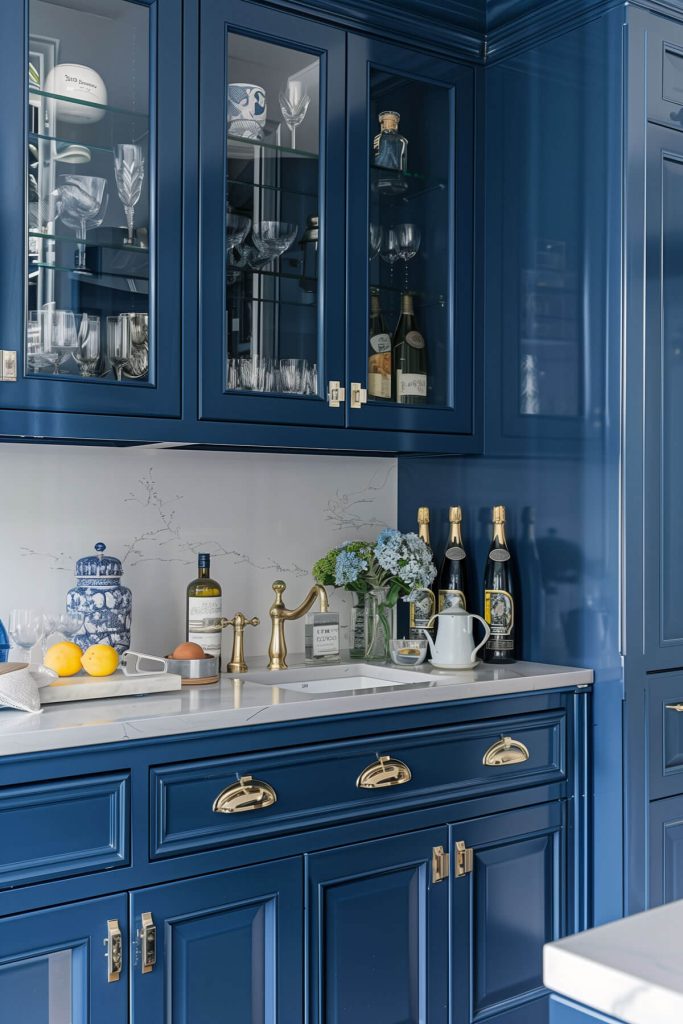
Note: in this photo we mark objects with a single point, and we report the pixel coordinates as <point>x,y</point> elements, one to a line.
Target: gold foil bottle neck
<point>499,513</point>
<point>423,516</point>
<point>407,304</point>
<point>389,120</point>
<point>375,307</point>
<point>455,514</point>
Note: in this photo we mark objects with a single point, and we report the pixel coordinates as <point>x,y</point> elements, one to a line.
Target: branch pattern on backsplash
<point>345,511</point>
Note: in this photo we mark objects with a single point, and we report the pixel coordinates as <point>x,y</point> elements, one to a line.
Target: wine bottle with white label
<point>379,353</point>
<point>499,599</point>
<point>424,606</point>
<point>204,612</point>
<point>453,572</point>
<point>410,357</point>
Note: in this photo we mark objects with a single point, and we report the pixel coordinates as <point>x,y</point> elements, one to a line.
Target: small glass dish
<point>408,652</point>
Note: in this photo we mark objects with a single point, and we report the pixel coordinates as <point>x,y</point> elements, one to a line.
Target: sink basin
<point>340,678</point>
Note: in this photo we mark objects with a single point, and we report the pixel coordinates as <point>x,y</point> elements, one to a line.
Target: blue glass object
<point>4,643</point>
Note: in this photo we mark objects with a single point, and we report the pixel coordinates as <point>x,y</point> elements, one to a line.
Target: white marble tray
<point>116,685</point>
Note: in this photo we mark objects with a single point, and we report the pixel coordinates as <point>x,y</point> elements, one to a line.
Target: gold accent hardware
<point>114,945</point>
<point>441,864</point>
<point>237,662</point>
<point>8,365</point>
<point>359,396</point>
<point>384,772</point>
<point>505,751</point>
<point>674,707</point>
<point>277,651</point>
<point>246,795</point>
<point>148,942</point>
<point>336,394</point>
<point>464,859</point>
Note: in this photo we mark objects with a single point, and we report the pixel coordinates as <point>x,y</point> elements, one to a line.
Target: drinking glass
<point>233,374</point>
<point>252,374</point>
<point>26,628</point>
<point>81,204</point>
<point>119,343</point>
<point>274,237</point>
<point>294,101</point>
<point>42,353</point>
<point>138,363</point>
<point>389,250</point>
<point>236,229</point>
<point>408,237</point>
<point>65,336</point>
<point>129,170</point>
<point>376,240</point>
<point>87,354</point>
<point>311,384</point>
<point>293,374</point>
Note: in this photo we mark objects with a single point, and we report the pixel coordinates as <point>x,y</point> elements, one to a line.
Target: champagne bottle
<point>410,357</point>
<point>422,610</point>
<point>453,572</point>
<point>204,610</point>
<point>379,354</point>
<point>499,601</point>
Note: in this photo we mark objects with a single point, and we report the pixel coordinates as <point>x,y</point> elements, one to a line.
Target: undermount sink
<point>339,678</point>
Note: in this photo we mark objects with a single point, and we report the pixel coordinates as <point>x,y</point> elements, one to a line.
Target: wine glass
<point>81,204</point>
<point>119,343</point>
<point>129,171</point>
<point>26,628</point>
<point>64,335</point>
<point>408,238</point>
<point>236,229</point>
<point>389,250</point>
<point>376,240</point>
<point>294,101</point>
<point>273,237</point>
<point>42,352</point>
<point>87,353</point>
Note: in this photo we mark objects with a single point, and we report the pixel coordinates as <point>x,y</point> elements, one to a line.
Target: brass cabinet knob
<point>247,794</point>
<point>384,772</point>
<point>505,751</point>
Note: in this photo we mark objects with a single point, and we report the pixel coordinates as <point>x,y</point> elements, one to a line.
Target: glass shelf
<point>85,274</point>
<point>144,116</point>
<point>37,137</point>
<point>281,189</point>
<point>252,145</point>
<point>273,274</point>
<point>415,185</point>
<point>71,240</point>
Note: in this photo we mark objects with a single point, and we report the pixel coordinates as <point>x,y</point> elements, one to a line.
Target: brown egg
<point>187,652</point>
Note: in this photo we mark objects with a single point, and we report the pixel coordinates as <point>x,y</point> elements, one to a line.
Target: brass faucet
<point>277,652</point>
<point>239,621</point>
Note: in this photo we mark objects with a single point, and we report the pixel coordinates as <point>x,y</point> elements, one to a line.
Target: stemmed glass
<point>294,102</point>
<point>236,229</point>
<point>129,170</point>
<point>389,250</point>
<point>65,338</point>
<point>119,343</point>
<point>272,238</point>
<point>376,240</point>
<point>26,628</point>
<point>82,204</point>
<point>408,238</point>
<point>87,353</point>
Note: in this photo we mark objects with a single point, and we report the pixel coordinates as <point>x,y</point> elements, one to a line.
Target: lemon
<point>100,660</point>
<point>63,658</point>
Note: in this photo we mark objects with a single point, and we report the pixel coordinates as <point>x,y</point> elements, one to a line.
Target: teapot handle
<point>487,634</point>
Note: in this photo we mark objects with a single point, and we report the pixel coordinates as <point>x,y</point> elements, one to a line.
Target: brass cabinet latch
<point>148,943</point>
<point>336,394</point>
<point>114,944</point>
<point>441,864</point>
<point>464,859</point>
<point>8,365</point>
<point>674,707</point>
<point>359,396</point>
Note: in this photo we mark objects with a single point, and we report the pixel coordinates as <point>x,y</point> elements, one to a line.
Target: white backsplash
<point>261,516</point>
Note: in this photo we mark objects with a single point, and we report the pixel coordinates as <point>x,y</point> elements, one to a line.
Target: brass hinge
<point>464,859</point>
<point>359,396</point>
<point>8,365</point>
<point>114,945</point>
<point>335,394</point>
<point>441,864</point>
<point>148,943</point>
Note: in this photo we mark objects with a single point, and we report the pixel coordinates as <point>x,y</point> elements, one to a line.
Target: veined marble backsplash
<point>261,516</point>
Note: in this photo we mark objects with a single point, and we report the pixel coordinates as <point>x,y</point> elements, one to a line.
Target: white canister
<point>246,110</point>
<point>80,83</point>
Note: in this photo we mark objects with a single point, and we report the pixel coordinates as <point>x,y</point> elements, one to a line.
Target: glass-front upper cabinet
<point>272,217</point>
<point>99,328</point>
<point>410,246</point>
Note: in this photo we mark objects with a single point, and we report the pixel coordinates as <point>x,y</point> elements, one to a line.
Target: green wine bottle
<point>499,595</point>
<point>409,357</point>
<point>204,613</point>
<point>379,353</point>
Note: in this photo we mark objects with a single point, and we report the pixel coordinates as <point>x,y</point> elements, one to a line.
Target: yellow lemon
<point>63,658</point>
<point>100,660</point>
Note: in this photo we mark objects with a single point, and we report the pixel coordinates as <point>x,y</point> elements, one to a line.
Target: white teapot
<point>454,647</point>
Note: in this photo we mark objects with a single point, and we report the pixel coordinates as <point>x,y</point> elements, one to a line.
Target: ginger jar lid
<point>99,566</point>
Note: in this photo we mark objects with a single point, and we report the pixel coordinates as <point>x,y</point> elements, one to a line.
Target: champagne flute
<point>294,102</point>
<point>129,171</point>
<point>119,343</point>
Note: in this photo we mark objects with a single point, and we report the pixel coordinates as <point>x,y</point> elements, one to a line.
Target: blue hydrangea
<point>407,557</point>
<point>349,567</point>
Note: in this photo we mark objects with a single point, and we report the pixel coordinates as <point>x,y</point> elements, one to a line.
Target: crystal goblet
<point>294,101</point>
<point>81,203</point>
<point>129,170</point>
<point>409,238</point>
<point>26,628</point>
<point>273,237</point>
<point>236,229</point>
<point>87,354</point>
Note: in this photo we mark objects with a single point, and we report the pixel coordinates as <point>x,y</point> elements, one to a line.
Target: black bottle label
<point>451,599</point>
<point>499,612</point>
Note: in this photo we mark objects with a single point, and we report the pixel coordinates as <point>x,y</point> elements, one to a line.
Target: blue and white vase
<point>105,604</point>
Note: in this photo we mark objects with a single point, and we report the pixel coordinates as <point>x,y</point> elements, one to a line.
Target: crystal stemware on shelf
<point>294,376</point>
<point>389,250</point>
<point>26,628</point>
<point>376,240</point>
<point>409,238</point>
<point>274,237</point>
<point>65,336</point>
<point>294,101</point>
<point>87,353</point>
<point>81,203</point>
<point>41,353</point>
<point>119,343</point>
<point>129,170</point>
<point>236,229</point>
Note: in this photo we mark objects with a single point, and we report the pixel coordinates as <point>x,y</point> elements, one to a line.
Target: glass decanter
<point>390,152</point>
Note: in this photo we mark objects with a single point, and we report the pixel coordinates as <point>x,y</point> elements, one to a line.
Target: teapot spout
<point>430,641</point>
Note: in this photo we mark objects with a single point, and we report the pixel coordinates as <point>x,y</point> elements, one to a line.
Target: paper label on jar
<point>411,385</point>
<point>415,339</point>
<point>204,623</point>
<point>380,343</point>
<point>325,639</point>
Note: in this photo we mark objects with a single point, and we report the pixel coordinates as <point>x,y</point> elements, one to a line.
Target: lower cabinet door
<point>509,898</point>
<point>223,947</point>
<point>53,967</point>
<point>666,851</point>
<point>379,932</point>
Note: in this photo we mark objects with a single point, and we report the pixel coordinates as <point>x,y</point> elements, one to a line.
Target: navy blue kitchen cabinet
<point>54,965</point>
<point>564,1012</point>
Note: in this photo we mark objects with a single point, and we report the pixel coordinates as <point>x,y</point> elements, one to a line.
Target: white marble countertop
<point>260,697</point>
<point>630,969</point>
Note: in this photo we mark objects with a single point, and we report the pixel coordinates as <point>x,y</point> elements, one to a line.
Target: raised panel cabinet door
<point>90,212</point>
<point>564,1012</point>
<point>666,851</point>
<point>664,73</point>
<point>410,246</point>
<point>510,899</point>
<point>54,968</point>
<point>227,946</point>
<point>271,166</point>
<point>663,350</point>
<point>379,933</point>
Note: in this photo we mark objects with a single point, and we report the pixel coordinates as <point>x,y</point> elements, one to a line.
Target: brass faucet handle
<point>238,622</point>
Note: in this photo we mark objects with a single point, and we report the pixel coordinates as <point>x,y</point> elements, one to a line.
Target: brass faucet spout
<point>277,651</point>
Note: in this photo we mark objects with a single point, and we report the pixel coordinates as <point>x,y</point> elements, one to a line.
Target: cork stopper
<point>389,120</point>
<point>499,513</point>
<point>455,514</point>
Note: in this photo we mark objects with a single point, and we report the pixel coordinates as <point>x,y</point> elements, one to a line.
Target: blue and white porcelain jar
<point>105,604</point>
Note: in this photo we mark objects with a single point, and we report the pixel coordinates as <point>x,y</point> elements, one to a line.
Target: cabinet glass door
<point>410,247</point>
<point>272,332</point>
<point>102,215</point>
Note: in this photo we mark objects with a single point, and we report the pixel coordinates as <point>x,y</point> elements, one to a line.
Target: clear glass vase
<point>380,625</point>
<point>357,643</point>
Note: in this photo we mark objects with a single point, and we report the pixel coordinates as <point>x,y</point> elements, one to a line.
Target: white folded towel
<point>20,687</point>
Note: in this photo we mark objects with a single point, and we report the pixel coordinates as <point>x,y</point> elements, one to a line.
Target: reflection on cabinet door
<point>509,901</point>
<point>224,946</point>
<point>53,967</point>
<point>379,932</point>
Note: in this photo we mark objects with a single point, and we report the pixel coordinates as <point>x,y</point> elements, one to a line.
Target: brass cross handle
<point>237,662</point>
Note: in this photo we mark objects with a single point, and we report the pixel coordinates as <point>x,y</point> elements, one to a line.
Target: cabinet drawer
<point>665,723</point>
<point>315,784</point>
<point>63,827</point>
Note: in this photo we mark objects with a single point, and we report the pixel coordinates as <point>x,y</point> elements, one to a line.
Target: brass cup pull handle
<point>505,751</point>
<point>247,794</point>
<point>385,771</point>
<point>674,707</point>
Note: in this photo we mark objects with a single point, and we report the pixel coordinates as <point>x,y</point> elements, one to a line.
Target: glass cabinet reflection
<point>272,218</point>
<point>88,224</point>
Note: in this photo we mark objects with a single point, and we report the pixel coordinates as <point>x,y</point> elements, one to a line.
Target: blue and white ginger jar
<point>105,604</point>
